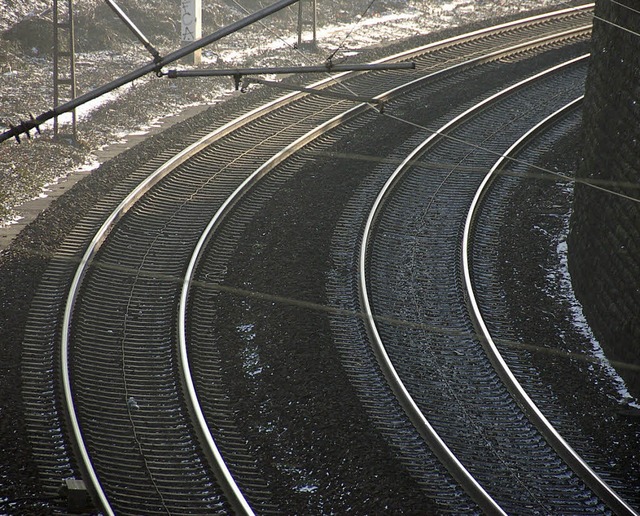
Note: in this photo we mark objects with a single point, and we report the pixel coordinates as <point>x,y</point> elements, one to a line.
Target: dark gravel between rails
<point>528,259</point>
<point>304,394</point>
<point>24,262</point>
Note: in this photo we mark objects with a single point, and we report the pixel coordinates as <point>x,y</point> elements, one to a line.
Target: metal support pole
<point>301,24</point>
<point>314,21</point>
<point>191,26</point>
<point>64,63</point>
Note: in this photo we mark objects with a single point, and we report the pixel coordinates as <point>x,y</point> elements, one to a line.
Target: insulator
<point>34,123</point>
<point>14,130</point>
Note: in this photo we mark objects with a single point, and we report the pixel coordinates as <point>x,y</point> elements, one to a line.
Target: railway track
<point>421,276</point>
<point>187,381</point>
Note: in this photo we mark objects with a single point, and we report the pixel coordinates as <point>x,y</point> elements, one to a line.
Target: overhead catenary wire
<point>617,25</point>
<point>303,54</point>
<point>625,6</point>
<point>353,28</point>
<point>586,182</point>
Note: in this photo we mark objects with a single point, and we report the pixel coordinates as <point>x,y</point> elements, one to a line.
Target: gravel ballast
<point>23,262</point>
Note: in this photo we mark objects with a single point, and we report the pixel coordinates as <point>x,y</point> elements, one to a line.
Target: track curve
<point>123,314</point>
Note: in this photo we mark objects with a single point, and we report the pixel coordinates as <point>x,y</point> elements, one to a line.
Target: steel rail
<point>155,177</point>
<point>486,30</point>
<point>440,448</point>
<point>535,415</point>
<point>203,427</point>
<point>488,57</point>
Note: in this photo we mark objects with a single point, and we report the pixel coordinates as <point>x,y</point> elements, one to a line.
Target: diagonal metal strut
<point>133,28</point>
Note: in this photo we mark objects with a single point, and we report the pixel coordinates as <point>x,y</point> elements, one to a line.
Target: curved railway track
<point>171,404</point>
<point>408,242</point>
<point>439,194</point>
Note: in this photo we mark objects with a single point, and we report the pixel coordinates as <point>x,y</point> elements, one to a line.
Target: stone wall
<point>604,241</point>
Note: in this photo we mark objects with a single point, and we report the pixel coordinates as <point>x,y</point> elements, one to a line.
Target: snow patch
<point>565,289</point>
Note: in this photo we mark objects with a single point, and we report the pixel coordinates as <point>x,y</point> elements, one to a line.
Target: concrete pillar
<point>191,23</point>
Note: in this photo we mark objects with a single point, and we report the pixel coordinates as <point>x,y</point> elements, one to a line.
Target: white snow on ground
<point>15,219</point>
<point>560,286</point>
<point>84,111</point>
